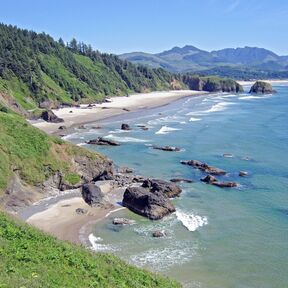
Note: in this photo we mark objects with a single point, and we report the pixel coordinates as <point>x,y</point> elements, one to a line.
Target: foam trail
<point>190,221</point>
<point>194,119</point>
<point>125,139</point>
<point>165,130</point>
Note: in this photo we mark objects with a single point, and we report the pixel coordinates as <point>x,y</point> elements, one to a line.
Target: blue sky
<point>119,26</point>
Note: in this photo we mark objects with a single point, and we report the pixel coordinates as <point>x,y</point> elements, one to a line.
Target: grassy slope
<point>31,152</point>
<point>29,258</point>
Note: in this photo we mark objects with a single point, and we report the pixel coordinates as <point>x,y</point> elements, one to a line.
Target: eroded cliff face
<point>34,165</point>
<point>20,194</point>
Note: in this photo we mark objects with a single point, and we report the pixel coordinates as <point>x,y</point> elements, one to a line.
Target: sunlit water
<point>219,237</point>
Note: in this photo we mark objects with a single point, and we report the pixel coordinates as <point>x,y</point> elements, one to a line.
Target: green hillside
<point>29,258</point>
<point>34,67</point>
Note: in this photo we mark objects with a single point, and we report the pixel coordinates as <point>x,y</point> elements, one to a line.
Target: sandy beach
<point>74,116</point>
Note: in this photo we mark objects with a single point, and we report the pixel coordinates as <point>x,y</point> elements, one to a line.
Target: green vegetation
<point>34,67</point>
<point>33,154</point>
<point>261,87</point>
<point>211,84</point>
<point>29,258</point>
<point>72,178</point>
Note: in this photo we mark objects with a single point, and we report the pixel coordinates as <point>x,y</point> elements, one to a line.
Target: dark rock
<point>204,167</point>
<point>225,184</point>
<point>167,148</point>
<point>261,87</point>
<point>125,127</point>
<point>125,170</point>
<point>62,127</point>
<point>103,141</point>
<point>123,221</point>
<point>96,127</point>
<point>145,128</point>
<point>91,105</point>
<point>138,179</point>
<point>159,233</point>
<point>166,188</point>
<point>92,194</point>
<point>153,205</point>
<point>70,111</point>
<point>81,211</point>
<point>81,127</point>
<point>179,180</point>
<point>49,116</point>
<point>106,175</point>
<point>243,173</point>
<point>209,179</point>
<point>125,109</point>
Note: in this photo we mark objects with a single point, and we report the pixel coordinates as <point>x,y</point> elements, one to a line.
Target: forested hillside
<point>34,67</point>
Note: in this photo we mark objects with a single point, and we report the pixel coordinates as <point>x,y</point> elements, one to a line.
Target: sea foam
<point>125,139</point>
<point>190,221</point>
<point>165,130</point>
<point>96,246</point>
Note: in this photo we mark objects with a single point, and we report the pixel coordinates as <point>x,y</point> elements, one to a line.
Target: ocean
<point>233,237</point>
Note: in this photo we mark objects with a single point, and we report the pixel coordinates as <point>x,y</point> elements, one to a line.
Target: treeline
<point>74,69</point>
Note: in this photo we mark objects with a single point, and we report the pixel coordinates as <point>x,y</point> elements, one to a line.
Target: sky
<point>120,26</point>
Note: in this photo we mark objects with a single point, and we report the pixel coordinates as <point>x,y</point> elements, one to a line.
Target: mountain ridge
<point>192,59</point>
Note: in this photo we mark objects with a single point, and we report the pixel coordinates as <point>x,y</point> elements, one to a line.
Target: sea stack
<point>261,87</point>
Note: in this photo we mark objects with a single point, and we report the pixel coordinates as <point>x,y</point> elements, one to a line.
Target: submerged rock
<point>62,127</point>
<point>153,205</point>
<point>166,188</point>
<point>123,221</point>
<point>179,180</point>
<point>261,87</point>
<point>103,141</point>
<point>125,127</point>
<point>158,233</point>
<point>204,167</point>
<point>49,116</point>
<point>243,173</point>
<point>225,184</point>
<point>167,148</point>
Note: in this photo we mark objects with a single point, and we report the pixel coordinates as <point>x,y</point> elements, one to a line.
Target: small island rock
<point>261,87</point>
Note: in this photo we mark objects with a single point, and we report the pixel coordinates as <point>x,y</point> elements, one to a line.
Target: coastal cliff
<point>34,165</point>
<point>212,84</point>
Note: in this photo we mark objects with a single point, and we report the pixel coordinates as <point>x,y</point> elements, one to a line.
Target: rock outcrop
<point>261,87</point>
<point>153,205</point>
<point>103,142</point>
<point>123,221</point>
<point>164,187</point>
<point>204,167</point>
<point>125,126</point>
<point>49,116</point>
<point>92,194</point>
<point>167,148</point>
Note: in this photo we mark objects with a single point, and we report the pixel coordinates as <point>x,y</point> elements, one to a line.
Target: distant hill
<point>36,68</point>
<point>192,59</point>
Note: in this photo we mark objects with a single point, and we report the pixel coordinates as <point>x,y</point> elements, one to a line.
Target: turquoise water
<point>240,236</point>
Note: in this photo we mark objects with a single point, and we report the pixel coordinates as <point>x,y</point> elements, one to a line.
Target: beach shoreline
<point>76,116</point>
